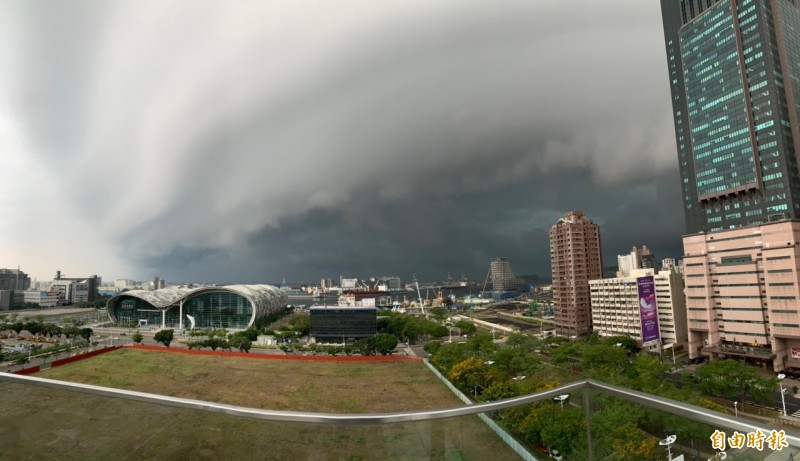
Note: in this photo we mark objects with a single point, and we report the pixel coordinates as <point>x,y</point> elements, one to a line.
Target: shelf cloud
<point>247,141</point>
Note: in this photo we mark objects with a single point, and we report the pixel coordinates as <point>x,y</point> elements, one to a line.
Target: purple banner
<point>648,310</point>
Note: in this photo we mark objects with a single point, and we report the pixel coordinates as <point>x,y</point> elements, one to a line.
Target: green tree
<point>34,328</point>
<point>432,347</point>
<point>629,443</point>
<point>164,337</point>
<point>68,321</point>
<point>734,379</point>
<point>86,333</point>
<point>470,374</point>
<point>365,346</point>
<point>648,374</point>
<point>250,333</point>
<point>603,360</point>
<point>448,355</point>
<point>52,329</point>
<point>71,332</point>
<point>439,313</point>
<point>438,331</point>
<point>466,327</point>
<point>385,343</point>
<point>215,343</point>
<point>554,427</point>
<point>137,337</point>
<point>499,391</point>
<point>301,324</point>
<point>626,342</point>
<point>241,342</point>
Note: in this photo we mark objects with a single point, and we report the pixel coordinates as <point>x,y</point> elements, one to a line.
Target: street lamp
<point>781,376</point>
<point>735,409</point>
<point>561,399</point>
<point>668,443</point>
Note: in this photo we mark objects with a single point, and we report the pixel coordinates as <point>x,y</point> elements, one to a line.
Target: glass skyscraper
<point>734,69</point>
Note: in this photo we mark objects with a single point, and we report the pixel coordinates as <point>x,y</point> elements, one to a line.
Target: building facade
<point>742,291</point>
<point>91,284</point>
<point>629,262</point>
<point>235,307</point>
<point>502,276</point>
<point>672,320</point>
<point>11,299</point>
<point>70,291</point>
<point>42,298</point>
<point>575,259</point>
<point>734,71</point>
<point>14,279</point>
<point>616,308</point>
<point>342,323</point>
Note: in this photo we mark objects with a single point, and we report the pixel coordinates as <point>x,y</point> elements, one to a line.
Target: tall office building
<point>735,78</point>
<point>14,279</point>
<point>575,258</point>
<point>734,72</point>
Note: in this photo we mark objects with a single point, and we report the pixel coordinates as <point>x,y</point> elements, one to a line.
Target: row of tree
<point>38,328</point>
<point>409,329</point>
<point>621,431</point>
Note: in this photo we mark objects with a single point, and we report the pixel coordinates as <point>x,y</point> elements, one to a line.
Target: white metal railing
<point>692,412</point>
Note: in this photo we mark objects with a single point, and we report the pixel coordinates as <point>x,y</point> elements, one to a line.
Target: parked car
<point>556,455</point>
<point>542,447</point>
<point>791,374</point>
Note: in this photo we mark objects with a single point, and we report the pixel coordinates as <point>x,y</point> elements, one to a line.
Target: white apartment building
<point>42,298</point>
<point>629,262</point>
<point>616,307</point>
<point>125,283</point>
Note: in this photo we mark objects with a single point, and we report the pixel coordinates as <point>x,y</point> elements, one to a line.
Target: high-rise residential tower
<point>502,276</point>
<point>734,73</point>
<point>575,258</point>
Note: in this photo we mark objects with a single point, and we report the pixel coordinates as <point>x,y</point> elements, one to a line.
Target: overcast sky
<point>243,141</point>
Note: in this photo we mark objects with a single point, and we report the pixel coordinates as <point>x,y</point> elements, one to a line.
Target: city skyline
<point>242,143</point>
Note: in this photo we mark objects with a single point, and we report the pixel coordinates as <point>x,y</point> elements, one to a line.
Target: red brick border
<point>66,360</point>
<point>26,371</point>
<point>81,356</point>
<point>308,358</point>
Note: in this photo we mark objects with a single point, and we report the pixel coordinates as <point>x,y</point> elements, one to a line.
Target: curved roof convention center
<point>229,306</point>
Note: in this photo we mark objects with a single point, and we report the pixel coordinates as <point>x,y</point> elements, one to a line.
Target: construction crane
<point>486,281</point>
<point>419,295</point>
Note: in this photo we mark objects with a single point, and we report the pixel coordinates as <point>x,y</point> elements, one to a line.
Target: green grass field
<point>39,423</point>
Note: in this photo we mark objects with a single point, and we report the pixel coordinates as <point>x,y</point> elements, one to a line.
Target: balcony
<point>49,419</point>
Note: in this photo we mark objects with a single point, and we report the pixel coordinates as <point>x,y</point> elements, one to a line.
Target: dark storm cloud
<point>436,237</point>
<point>222,141</point>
